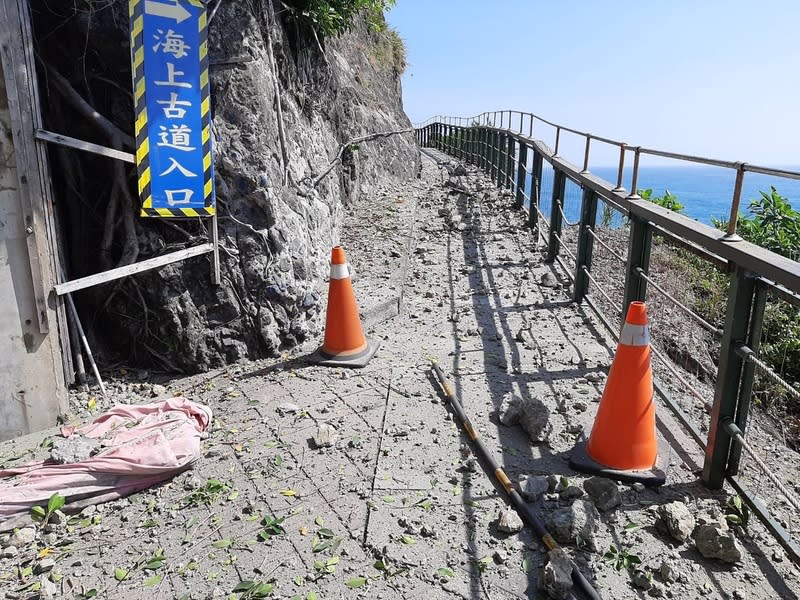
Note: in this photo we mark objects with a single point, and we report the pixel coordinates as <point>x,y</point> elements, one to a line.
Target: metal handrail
<point>755,270</point>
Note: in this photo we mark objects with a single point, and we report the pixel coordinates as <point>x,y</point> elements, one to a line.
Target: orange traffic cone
<point>345,344</point>
<point>623,442</point>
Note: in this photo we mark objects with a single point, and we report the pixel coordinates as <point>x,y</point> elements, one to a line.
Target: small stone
<point>594,377</point>
<point>714,541</point>
<point>557,574</point>
<point>157,390</point>
<point>535,419</point>
<point>326,435</point>
<point>288,408</point>
<point>548,280</point>
<point>679,521</point>
<point>656,590</point>
<point>73,449</point>
<point>44,565</point>
<point>523,336</point>
<point>641,580</point>
<point>500,557</point>
<point>509,410</point>
<point>571,493</point>
<point>603,492</point>
<point>638,487</point>
<point>89,510</point>
<point>9,552</point>
<point>23,537</point>
<point>47,589</point>
<point>533,487</point>
<point>509,521</point>
<point>57,517</point>
<point>576,524</point>
<point>668,572</point>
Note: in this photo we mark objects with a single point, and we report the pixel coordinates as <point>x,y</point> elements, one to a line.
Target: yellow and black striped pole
<point>524,511</point>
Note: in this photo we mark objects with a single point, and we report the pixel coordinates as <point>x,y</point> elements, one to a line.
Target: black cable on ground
<point>578,579</point>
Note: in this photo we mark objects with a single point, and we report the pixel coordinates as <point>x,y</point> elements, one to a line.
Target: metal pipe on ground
<point>578,579</point>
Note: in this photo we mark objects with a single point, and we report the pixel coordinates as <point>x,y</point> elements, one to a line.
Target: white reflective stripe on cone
<point>635,335</point>
<point>340,271</point>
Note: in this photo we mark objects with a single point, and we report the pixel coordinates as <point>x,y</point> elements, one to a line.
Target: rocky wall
<point>275,228</point>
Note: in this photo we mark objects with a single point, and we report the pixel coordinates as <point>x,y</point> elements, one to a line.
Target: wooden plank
<point>71,142</point>
<point>146,265</point>
<point>13,22</point>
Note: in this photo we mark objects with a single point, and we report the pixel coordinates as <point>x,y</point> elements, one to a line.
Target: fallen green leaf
<point>356,582</point>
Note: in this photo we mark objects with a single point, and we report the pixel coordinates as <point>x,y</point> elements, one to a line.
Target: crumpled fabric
<point>141,446</point>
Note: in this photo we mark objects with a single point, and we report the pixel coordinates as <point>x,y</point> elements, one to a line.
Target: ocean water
<point>706,192</point>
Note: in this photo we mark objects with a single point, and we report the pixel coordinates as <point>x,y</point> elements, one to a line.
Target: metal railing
<point>500,144</point>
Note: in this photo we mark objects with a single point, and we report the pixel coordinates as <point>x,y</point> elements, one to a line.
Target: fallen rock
<point>603,492</point>
<point>47,589</point>
<point>534,486</point>
<point>570,493</point>
<point>535,419</point>
<point>73,449</point>
<point>509,521</point>
<point>9,552</point>
<point>509,412</point>
<point>668,571</point>
<point>576,524</point>
<point>23,537</point>
<point>557,574</point>
<point>157,390</point>
<point>678,520</point>
<point>548,280</point>
<point>326,435</point>
<point>641,579</point>
<point>288,408</point>
<point>715,541</point>
<point>45,565</point>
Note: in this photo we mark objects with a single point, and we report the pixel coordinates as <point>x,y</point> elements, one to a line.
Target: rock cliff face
<point>275,227</point>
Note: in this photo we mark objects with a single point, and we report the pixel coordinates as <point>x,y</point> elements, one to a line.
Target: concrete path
<point>397,507</point>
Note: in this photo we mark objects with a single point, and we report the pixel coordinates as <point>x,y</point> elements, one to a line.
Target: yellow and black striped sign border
<point>136,13</point>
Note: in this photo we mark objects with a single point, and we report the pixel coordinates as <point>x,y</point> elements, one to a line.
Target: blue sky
<point>706,77</point>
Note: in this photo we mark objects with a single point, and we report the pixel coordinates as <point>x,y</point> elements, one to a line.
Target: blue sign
<point>173,130</point>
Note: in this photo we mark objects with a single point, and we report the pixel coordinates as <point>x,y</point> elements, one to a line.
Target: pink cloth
<point>142,446</point>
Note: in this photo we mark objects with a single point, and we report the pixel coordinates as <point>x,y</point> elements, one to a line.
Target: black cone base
<point>353,361</point>
<point>581,461</point>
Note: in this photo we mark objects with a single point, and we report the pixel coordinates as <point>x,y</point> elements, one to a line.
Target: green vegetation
<point>390,51</point>
<point>775,225</point>
<point>621,559</point>
<point>330,18</point>
<point>668,201</point>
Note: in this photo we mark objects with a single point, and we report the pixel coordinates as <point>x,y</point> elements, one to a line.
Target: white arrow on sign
<point>173,10</point>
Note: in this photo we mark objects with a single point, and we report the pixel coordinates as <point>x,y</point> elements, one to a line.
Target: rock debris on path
<point>328,484</point>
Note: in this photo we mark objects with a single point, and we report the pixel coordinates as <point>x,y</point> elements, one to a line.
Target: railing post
<point>536,191</point>
<point>522,165</point>
<point>509,182</point>
<point>749,370</point>
<point>559,185</point>
<point>585,244</point>
<point>485,150</point>
<point>729,375</point>
<point>494,155</point>
<point>501,168</point>
<point>641,238</point>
